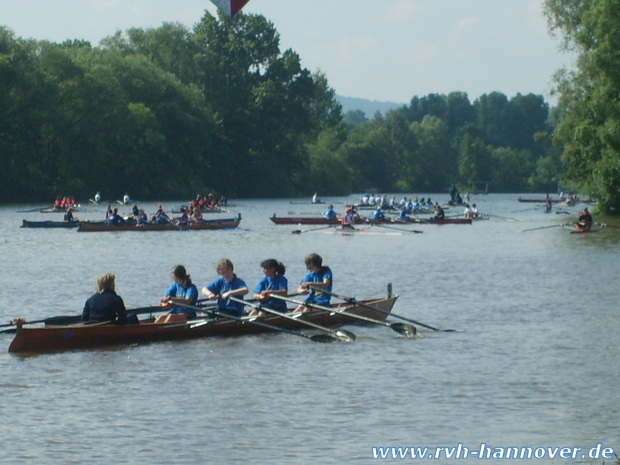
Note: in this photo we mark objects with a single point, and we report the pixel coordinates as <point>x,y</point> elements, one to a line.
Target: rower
<point>330,213</point>
<point>585,221</point>
<point>378,215</point>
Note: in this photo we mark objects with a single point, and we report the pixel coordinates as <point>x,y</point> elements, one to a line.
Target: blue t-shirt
<point>316,296</point>
<point>178,291</point>
<point>219,286</point>
<point>278,283</point>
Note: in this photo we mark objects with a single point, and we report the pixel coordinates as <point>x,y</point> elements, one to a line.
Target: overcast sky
<point>385,50</point>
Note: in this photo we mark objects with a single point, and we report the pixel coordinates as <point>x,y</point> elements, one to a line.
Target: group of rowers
<point>209,201</point>
<point>138,217</point>
<point>180,299</point>
<point>62,203</point>
<point>407,208</point>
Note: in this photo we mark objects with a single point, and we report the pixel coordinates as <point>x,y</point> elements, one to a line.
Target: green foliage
<point>590,96</point>
<point>168,113</point>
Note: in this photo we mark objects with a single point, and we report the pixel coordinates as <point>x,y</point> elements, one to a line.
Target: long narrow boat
<point>319,220</point>
<point>49,224</point>
<point>79,337</point>
<point>227,223</point>
<point>539,200</point>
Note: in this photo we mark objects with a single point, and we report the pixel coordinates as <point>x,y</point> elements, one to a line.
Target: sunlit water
<point>536,363</point>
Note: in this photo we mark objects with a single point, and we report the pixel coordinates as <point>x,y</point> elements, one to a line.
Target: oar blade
<point>347,336</point>
<point>404,329</point>
<point>323,338</point>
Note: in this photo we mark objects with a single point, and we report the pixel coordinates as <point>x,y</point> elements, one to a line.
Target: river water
<point>535,363</point>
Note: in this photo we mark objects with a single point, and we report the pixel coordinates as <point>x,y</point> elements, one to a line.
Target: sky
<point>383,50</point>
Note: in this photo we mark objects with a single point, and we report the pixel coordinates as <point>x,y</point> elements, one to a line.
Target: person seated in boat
<point>135,210</point>
<point>115,219</point>
<point>105,305</point>
<point>547,204</point>
<point>195,215</point>
<point>315,198</point>
<point>330,214</point>
<point>378,215</point>
<point>274,282</point>
<point>474,211</point>
<point>439,213</point>
<point>181,291</point>
<point>585,221</point>
<point>184,218</point>
<point>318,276</point>
<point>69,215</point>
<point>160,217</point>
<point>467,213</point>
<point>348,219</point>
<point>98,197</point>
<point>403,214</point>
<point>126,199</point>
<point>141,218</point>
<point>226,286</point>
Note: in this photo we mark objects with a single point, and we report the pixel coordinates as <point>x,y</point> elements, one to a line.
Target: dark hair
<point>180,272</point>
<point>314,259</point>
<point>275,264</point>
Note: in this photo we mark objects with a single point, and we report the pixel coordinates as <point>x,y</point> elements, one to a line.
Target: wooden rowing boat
<point>79,337</point>
<point>227,223</point>
<point>50,224</point>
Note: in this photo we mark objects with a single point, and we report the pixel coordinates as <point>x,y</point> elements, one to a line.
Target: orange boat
<point>78,337</point>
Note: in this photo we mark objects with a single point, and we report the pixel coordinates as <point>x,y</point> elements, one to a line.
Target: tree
<point>589,127</point>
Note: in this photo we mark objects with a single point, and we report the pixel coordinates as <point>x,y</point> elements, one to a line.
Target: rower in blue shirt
<point>330,214</point>
<point>378,215</point>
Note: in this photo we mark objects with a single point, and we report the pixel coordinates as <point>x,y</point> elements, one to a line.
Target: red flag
<point>230,7</point>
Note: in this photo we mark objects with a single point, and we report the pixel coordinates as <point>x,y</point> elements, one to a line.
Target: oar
<point>342,335</point>
<point>400,328</point>
<point>314,338</point>
<point>381,225</point>
<point>526,210</point>
<point>64,320</point>
<point>505,218</point>
<point>607,225</point>
<point>351,300</point>
<point>299,231</point>
<point>543,227</point>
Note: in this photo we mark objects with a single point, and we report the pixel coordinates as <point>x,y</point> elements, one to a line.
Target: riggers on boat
<point>80,336</point>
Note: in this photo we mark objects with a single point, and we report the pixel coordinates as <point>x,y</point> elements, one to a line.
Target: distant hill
<point>369,107</point>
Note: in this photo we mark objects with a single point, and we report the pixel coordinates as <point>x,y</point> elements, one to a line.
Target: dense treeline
<point>168,113</point>
<point>589,127</point>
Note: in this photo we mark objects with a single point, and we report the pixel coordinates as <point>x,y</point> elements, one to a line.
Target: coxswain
<point>439,213</point>
<point>348,219</point>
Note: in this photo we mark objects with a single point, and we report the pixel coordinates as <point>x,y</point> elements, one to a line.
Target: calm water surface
<point>535,365</point>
